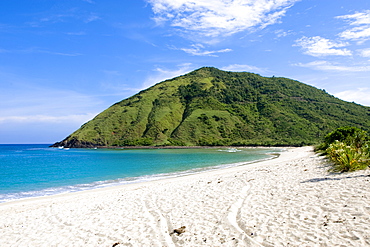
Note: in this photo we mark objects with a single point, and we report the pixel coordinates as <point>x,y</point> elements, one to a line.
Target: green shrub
<point>348,148</point>
<point>174,142</point>
<point>347,135</point>
<point>209,141</point>
<point>136,142</point>
<point>347,158</point>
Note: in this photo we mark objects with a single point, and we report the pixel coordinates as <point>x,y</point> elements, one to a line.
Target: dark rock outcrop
<point>74,143</point>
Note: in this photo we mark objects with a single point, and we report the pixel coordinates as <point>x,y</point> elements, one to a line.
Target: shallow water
<point>37,170</point>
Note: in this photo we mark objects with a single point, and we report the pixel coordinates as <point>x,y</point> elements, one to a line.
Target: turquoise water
<point>37,170</point>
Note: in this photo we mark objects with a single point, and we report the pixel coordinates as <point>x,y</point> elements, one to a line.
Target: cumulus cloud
<point>364,52</point>
<point>356,33</point>
<point>358,95</point>
<point>328,66</point>
<point>199,50</point>
<point>361,26</point>
<point>318,46</point>
<point>214,18</point>
<point>359,18</point>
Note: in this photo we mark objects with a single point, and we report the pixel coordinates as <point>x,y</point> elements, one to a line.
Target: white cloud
<point>318,46</point>
<point>76,33</point>
<point>243,67</point>
<point>213,18</point>
<point>48,119</point>
<point>327,66</point>
<point>356,33</point>
<point>23,97</point>
<point>36,50</point>
<point>358,18</point>
<point>58,53</point>
<point>161,74</point>
<point>198,50</point>
<point>112,72</point>
<point>358,95</point>
<point>364,52</point>
<point>91,17</point>
<point>62,15</point>
<point>361,23</point>
<point>281,33</point>
<point>47,103</point>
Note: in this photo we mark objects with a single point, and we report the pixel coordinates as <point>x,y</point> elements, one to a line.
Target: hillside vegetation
<point>213,107</point>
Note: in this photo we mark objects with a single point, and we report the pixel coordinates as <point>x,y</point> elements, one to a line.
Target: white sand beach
<point>288,201</point>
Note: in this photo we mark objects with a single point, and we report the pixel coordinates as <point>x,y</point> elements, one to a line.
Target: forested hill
<point>213,107</point>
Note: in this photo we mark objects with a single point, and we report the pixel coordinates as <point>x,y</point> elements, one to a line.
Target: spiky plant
<point>347,158</point>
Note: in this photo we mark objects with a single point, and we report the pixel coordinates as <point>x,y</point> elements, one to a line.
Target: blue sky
<point>63,62</point>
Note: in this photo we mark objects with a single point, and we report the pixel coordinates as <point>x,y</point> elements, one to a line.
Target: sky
<point>63,62</point>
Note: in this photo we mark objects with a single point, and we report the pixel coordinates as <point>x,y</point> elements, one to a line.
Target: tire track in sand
<point>159,221</point>
<point>234,217</point>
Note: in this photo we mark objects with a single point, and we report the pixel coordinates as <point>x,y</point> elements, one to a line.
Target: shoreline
<point>212,170</point>
<point>290,200</point>
<point>270,153</point>
<point>171,147</point>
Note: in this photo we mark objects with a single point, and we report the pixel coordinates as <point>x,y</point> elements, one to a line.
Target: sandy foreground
<point>288,201</point>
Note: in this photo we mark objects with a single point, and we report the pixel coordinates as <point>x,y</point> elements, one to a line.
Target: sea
<point>37,170</point>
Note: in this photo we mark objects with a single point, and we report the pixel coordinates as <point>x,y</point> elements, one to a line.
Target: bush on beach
<point>348,148</point>
<point>347,158</point>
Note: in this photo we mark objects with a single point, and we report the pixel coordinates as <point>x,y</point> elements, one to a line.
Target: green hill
<point>213,107</point>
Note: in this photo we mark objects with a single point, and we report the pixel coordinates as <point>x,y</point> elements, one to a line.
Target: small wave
<point>230,150</point>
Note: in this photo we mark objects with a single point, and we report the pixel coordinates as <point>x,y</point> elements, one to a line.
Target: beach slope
<point>288,201</point>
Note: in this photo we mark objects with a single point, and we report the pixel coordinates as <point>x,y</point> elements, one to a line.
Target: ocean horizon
<point>35,170</point>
